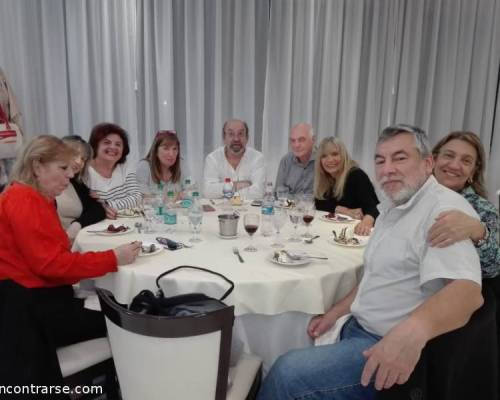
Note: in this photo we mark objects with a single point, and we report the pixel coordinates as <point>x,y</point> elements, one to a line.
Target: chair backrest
<point>169,357</point>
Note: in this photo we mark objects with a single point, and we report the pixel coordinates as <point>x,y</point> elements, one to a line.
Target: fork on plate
<point>237,253</point>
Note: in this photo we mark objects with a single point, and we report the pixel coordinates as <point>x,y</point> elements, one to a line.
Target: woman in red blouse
<point>38,312</point>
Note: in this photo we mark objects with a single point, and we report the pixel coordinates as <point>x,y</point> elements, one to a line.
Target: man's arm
<point>258,177</point>
<point>321,323</point>
<point>394,357</point>
<point>212,184</point>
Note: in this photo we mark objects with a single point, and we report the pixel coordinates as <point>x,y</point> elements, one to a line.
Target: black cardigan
<point>92,210</point>
<point>358,193</point>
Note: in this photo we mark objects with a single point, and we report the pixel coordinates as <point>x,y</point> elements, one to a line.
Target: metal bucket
<point>228,224</point>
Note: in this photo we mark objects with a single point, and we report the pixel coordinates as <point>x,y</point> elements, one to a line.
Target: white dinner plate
<point>363,240</point>
<point>129,213</point>
<point>107,233</point>
<point>345,219</point>
<point>291,263</point>
<point>158,249</point>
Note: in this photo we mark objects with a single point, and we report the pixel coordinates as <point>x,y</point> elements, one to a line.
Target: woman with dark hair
<point>111,179</point>
<point>38,312</point>
<point>162,164</point>
<point>75,206</point>
<point>459,165</point>
<point>340,186</point>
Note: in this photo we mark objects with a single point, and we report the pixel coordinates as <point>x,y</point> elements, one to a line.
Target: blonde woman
<point>340,186</point>
<point>38,312</point>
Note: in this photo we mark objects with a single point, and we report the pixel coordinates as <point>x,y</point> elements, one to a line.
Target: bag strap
<point>228,292</point>
<point>3,117</point>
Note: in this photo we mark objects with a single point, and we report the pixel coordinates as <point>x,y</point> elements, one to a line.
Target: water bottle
<point>227,193</point>
<point>159,198</point>
<point>170,212</point>
<point>267,211</point>
<point>187,201</point>
<point>227,189</point>
<point>195,216</point>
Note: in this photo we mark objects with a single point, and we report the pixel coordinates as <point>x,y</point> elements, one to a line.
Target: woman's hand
<point>364,228</point>
<point>111,213</point>
<point>320,324</point>
<point>453,226</point>
<point>127,253</point>
<point>356,213</point>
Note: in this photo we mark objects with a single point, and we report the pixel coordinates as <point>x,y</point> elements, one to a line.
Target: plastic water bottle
<point>159,198</point>
<point>195,216</point>
<point>227,193</point>
<point>227,189</point>
<point>170,212</point>
<point>267,211</point>
<point>188,189</point>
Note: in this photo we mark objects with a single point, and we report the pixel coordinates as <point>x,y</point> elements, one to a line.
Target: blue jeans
<point>323,372</point>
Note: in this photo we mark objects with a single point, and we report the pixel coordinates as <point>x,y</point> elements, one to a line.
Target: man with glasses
<point>244,165</point>
<point>296,169</point>
<point>409,294</point>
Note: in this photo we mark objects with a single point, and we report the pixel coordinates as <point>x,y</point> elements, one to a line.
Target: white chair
<point>89,363</point>
<point>176,357</point>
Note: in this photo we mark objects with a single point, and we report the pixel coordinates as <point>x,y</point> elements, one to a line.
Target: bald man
<point>296,169</point>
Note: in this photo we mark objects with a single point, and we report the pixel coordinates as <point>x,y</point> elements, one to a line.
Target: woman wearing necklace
<point>111,179</point>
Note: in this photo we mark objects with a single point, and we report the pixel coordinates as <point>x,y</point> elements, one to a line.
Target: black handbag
<point>146,302</point>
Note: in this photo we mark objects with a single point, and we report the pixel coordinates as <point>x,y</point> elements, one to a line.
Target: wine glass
<point>279,220</point>
<point>282,194</point>
<point>149,212</point>
<point>195,218</point>
<point>308,214</point>
<point>295,214</point>
<point>251,222</point>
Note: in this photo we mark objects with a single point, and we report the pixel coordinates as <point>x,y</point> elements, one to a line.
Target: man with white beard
<point>409,294</point>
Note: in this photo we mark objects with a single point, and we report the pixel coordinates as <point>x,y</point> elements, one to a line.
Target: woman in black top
<point>340,186</point>
<point>75,205</point>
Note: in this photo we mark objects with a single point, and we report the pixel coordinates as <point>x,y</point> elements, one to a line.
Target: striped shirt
<point>120,191</point>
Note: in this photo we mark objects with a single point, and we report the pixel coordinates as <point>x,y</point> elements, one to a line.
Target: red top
<point>34,248</point>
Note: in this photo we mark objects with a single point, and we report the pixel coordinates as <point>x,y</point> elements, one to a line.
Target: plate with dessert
<point>113,230</point>
<point>338,218</point>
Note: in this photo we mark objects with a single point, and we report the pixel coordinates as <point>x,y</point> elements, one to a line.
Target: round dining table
<point>273,302</point>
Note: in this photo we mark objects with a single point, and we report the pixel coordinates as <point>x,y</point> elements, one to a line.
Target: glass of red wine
<point>251,223</point>
<point>308,215</point>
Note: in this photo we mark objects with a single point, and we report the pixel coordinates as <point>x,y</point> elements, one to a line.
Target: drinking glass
<point>279,220</point>
<point>251,222</point>
<point>282,194</point>
<point>195,219</point>
<point>295,215</point>
<point>308,214</point>
<point>149,213</point>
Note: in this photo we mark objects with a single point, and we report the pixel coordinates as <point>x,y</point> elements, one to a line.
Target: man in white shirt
<point>409,294</point>
<point>244,165</point>
<point>296,169</point>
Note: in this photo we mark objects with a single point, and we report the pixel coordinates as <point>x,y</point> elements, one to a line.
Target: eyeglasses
<point>166,134</point>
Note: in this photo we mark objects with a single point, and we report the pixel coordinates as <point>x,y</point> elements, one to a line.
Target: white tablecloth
<point>273,302</point>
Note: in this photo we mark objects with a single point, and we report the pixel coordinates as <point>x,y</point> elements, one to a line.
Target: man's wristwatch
<point>483,240</point>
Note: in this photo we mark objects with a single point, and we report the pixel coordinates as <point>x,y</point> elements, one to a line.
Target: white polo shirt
<point>400,269</point>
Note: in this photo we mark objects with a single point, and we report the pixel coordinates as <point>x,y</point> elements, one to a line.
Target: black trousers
<point>33,324</point>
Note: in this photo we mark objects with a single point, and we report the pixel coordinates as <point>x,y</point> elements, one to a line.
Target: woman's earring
<point>470,180</point>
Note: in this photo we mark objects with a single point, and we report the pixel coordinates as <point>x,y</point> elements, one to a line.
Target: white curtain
<point>348,67</point>
<point>353,67</point>
<point>200,63</point>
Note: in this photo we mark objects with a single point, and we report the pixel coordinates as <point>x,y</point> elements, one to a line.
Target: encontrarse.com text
<point>48,390</point>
